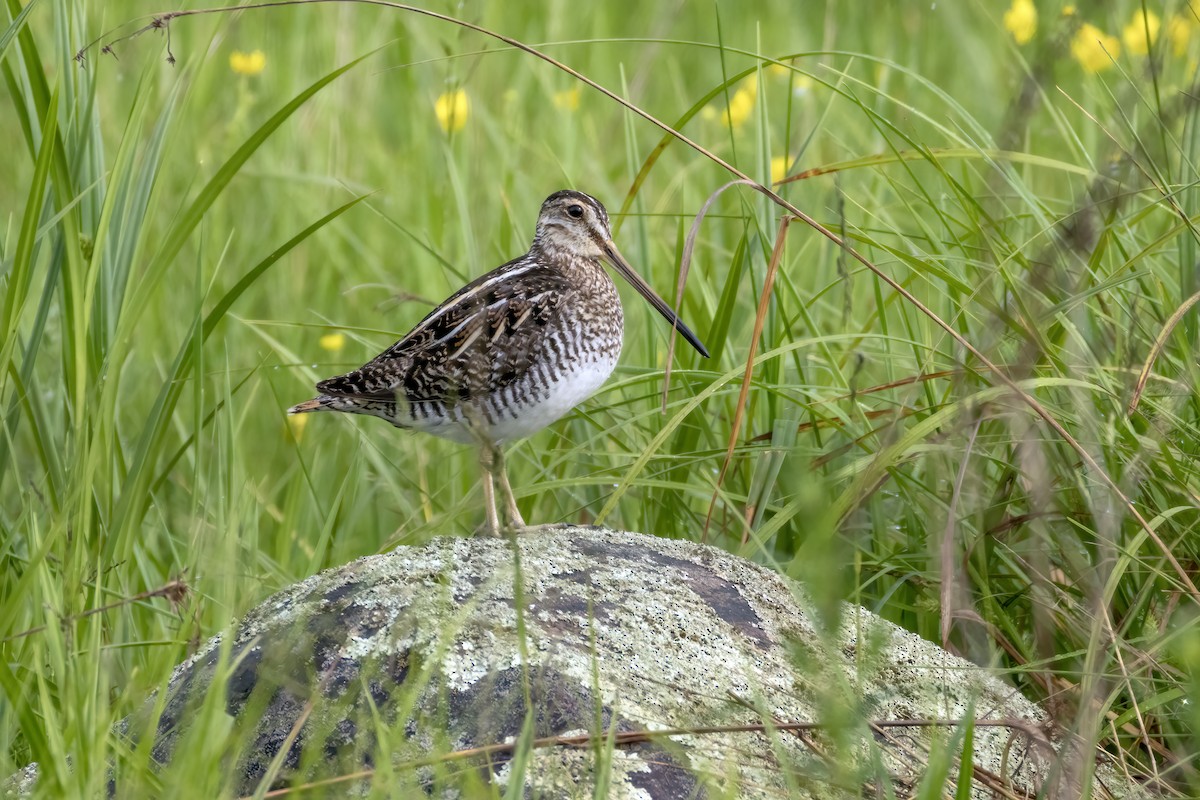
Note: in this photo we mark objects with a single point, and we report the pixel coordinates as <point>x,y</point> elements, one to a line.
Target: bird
<point>512,351</point>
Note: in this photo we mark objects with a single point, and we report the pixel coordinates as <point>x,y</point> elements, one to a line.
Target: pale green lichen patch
<point>451,646</point>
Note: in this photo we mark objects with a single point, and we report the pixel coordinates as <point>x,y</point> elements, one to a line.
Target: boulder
<point>570,656</point>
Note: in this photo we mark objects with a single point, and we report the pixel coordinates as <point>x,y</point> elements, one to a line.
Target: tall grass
<point>178,243</point>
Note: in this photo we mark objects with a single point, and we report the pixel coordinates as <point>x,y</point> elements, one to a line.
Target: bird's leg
<point>487,460</point>
<point>510,501</point>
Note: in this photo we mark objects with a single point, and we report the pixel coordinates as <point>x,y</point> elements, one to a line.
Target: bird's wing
<point>479,341</point>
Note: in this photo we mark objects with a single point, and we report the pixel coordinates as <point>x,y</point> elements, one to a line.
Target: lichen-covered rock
<point>469,643</point>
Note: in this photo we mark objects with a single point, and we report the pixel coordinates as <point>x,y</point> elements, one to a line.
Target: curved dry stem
<point>760,318</point>
<point>946,551</point>
<point>685,264</point>
<point>1033,733</point>
<point>1160,342</point>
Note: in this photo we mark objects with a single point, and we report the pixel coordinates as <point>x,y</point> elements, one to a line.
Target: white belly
<point>563,395</point>
<point>524,413</point>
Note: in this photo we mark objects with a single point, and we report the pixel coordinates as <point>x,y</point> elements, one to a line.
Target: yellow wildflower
<point>778,71</point>
<point>779,168</point>
<point>1093,48</point>
<point>1068,10</point>
<point>568,100</point>
<point>247,63</point>
<point>740,109</point>
<point>1141,32</point>
<point>451,110</point>
<point>332,342</point>
<point>741,105</point>
<point>295,426</point>
<point>1021,20</point>
<point>1179,30</point>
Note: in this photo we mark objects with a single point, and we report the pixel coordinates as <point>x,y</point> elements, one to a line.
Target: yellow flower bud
<point>1093,48</point>
<point>741,105</point>
<point>1021,20</point>
<point>332,342</point>
<point>1179,31</point>
<point>295,426</point>
<point>247,63</point>
<point>452,110</point>
<point>779,166</point>
<point>1141,32</point>
<point>568,100</point>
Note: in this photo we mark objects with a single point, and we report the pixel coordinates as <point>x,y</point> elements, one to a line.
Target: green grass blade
<point>21,274</point>
<point>133,495</point>
<point>189,219</point>
<point>10,33</point>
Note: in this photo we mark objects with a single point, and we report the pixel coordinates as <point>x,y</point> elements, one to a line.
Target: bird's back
<point>506,355</point>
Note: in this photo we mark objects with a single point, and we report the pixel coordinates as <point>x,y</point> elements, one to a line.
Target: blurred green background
<point>1027,172</point>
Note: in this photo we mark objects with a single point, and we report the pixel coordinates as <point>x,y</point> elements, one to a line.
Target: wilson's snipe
<point>510,352</point>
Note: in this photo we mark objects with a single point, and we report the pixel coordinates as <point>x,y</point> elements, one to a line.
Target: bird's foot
<point>546,527</point>
<point>503,529</point>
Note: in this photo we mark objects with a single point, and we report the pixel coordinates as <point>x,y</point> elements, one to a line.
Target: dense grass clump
<point>978,418</point>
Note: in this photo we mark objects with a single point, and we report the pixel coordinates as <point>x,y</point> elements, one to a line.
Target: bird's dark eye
<point>575,212</point>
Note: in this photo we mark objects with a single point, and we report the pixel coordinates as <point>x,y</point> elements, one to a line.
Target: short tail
<point>316,404</point>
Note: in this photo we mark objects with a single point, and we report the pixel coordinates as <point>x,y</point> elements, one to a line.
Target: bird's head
<point>575,225</point>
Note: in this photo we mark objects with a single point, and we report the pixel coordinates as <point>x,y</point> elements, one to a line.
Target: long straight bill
<point>619,263</point>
